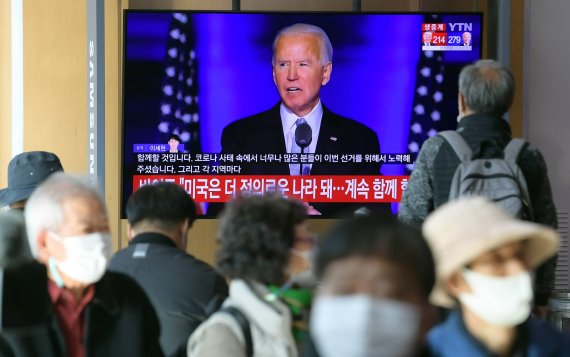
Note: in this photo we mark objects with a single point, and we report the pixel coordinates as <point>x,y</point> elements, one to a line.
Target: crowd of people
<point>447,277</point>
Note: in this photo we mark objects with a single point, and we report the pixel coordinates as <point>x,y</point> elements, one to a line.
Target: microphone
<point>303,138</point>
<point>303,135</point>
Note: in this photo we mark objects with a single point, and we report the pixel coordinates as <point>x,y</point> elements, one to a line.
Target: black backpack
<point>499,179</point>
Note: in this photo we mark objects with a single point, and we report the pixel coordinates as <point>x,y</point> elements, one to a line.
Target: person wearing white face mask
<point>376,278</point>
<point>485,260</point>
<point>96,313</point>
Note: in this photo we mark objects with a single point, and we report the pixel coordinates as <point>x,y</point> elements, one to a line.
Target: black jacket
<point>119,321</point>
<point>178,285</point>
<point>262,133</point>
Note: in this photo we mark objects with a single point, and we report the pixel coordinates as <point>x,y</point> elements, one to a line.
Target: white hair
<point>326,52</point>
<point>44,207</point>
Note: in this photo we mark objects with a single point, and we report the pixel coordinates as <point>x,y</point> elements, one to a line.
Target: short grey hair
<point>298,29</point>
<point>44,207</point>
<point>488,87</point>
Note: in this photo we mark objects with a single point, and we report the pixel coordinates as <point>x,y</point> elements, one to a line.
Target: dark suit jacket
<point>120,321</point>
<point>178,285</point>
<point>262,133</point>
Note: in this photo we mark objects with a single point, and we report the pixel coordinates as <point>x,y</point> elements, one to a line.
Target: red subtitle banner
<point>222,188</point>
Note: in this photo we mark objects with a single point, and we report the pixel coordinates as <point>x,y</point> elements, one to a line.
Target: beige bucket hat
<point>462,230</point>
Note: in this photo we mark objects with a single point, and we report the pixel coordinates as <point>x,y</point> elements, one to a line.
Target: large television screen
<point>208,106</point>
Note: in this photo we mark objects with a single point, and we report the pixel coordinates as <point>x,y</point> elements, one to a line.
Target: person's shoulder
<point>118,291</point>
<point>121,255</point>
<point>117,280</point>
<point>545,336</point>
<point>193,263</point>
<point>345,123</point>
<point>448,337</point>
<point>220,335</point>
<point>530,149</point>
<point>252,121</point>
<point>433,143</point>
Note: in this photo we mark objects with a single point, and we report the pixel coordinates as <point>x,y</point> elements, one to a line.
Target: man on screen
<point>427,38</point>
<point>467,39</point>
<point>173,142</point>
<point>302,64</point>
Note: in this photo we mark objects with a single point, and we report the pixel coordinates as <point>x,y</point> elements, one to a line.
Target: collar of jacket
<point>152,238</point>
<point>272,316</point>
<point>460,340</point>
<point>481,122</point>
<point>105,297</point>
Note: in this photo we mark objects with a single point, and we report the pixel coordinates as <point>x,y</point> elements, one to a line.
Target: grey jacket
<point>270,324</point>
<point>429,183</point>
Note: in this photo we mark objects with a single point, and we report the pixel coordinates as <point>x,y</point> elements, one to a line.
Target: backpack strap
<point>243,322</point>
<point>458,144</point>
<point>513,149</point>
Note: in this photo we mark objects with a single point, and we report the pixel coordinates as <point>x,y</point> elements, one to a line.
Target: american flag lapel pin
<point>333,138</point>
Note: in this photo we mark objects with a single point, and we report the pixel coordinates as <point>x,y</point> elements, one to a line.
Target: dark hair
<point>175,137</point>
<point>164,205</point>
<point>255,236</point>
<point>374,236</point>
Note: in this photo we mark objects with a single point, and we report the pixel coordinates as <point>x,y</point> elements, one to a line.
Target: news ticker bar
<point>356,189</point>
<point>293,158</point>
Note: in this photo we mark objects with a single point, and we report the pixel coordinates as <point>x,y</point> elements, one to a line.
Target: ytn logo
<point>460,26</point>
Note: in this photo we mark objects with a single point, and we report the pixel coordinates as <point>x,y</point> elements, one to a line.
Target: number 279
<point>454,39</point>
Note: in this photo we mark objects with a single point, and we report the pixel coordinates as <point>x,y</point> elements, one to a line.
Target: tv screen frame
<point>244,39</point>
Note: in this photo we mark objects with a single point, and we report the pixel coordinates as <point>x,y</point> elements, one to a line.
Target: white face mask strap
<point>55,236</point>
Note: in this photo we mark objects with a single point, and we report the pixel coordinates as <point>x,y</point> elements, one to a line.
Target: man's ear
<point>130,233</point>
<point>41,246</point>
<point>461,103</point>
<point>327,73</point>
<point>274,80</point>
<point>184,229</point>
<point>186,225</point>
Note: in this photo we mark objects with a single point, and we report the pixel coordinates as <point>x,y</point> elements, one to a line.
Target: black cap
<point>27,171</point>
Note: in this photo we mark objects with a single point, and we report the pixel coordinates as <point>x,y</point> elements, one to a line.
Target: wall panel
<point>181,4</point>
<point>296,5</point>
<point>113,105</point>
<point>55,77</point>
<point>389,5</point>
<point>5,91</point>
